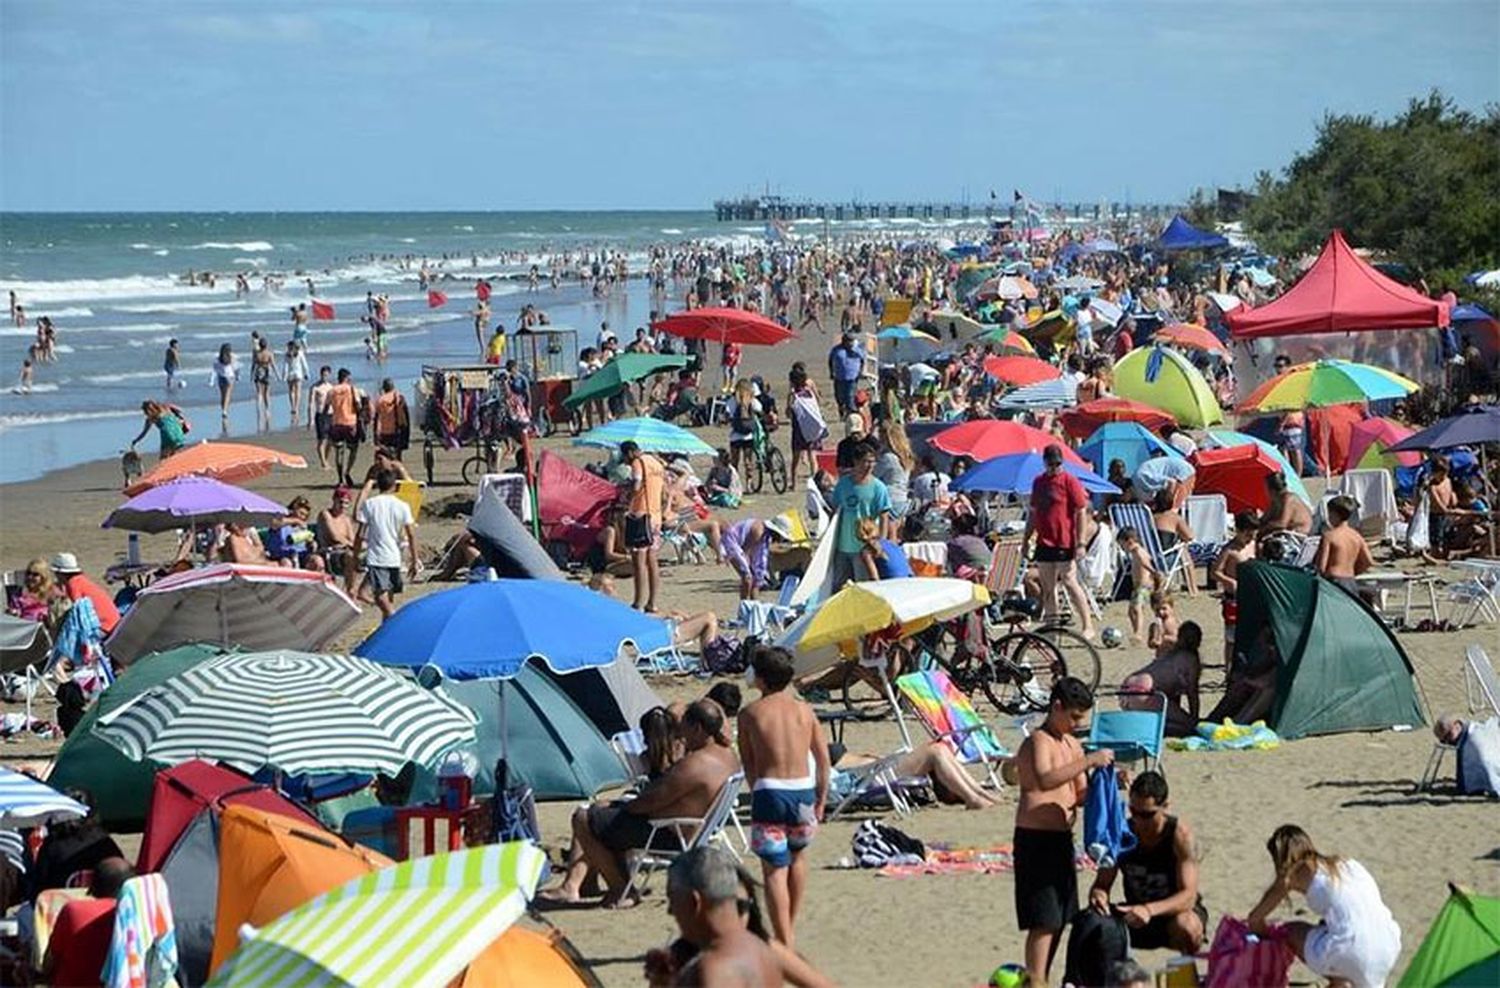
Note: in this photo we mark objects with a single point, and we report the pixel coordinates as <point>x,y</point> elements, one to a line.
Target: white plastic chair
<point>1481,689</point>
<point>1480,594</point>
<point>689,832</point>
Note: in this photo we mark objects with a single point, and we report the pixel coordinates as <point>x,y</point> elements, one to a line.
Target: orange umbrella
<point>1081,422</point>
<point>1192,336</point>
<point>1020,371</point>
<point>232,463</point>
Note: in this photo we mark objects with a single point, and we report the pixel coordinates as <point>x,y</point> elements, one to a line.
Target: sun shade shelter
<point>1164,379</point>
<point>1462,948</point>
<point>1182,235</point>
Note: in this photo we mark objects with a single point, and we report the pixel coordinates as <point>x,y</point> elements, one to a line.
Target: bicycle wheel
<point>475,467</point>
<point>1079,655</point>
<point>776,463</point>
<point>1023,667</point>
<point>755,474</point>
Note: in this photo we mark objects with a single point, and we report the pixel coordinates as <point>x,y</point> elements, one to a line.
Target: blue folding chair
<point>1133,735</point>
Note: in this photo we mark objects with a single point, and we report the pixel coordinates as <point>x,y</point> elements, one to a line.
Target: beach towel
<point>80,633</point>
<point>1238,957</point>
<point>944,859</point>
<point>1106,831</point>
<point>1228,736</point>
<point>807,419</point>
<point>143,952</point>
<point>945,710</point>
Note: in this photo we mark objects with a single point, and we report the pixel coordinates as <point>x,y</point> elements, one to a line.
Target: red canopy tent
<point>1340,293</point>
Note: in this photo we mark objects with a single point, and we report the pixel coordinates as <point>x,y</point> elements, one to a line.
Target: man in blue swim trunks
<point>785,757</point>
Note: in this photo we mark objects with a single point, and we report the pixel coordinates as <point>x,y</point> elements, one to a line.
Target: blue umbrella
<point>652,435</point>
<point>1128,441</point>
<point>904,332</point>
<point>1015,473</point>
<point>1469,312</point>
<point>1478,427</point>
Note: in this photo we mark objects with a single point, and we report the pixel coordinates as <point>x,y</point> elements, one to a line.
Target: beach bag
<point>1238,958</point>
<point>1095,944</point>
<point>1106,831</point>
<point>876,845</point>
<point>514,810</point>
<point>723,656</point>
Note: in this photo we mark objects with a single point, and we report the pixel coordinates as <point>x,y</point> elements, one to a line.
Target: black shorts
<point>1153,936</point>
<point>343,434</point>
<point>1046,879</point>
<point>384,579</point>
<point>1053,554</point>
<point>617,830</point>
<point>322,423</point>
<point>742,444</point>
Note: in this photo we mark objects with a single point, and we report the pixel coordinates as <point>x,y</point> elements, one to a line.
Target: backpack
<point>876,845</point>
<point>723,656</point>
<point>1106,831</point>
<point>1095,944</point>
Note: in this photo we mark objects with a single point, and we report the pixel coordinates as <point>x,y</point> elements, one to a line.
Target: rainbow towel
<point>945,710</point>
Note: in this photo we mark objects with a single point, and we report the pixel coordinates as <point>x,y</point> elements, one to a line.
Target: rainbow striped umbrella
<point>1009,339</point>
<point>417,924</point>
<point>1326,382</point>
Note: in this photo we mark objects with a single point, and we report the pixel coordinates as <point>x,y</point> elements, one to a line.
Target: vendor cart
<point>462,407</point>
<point>549,356</point>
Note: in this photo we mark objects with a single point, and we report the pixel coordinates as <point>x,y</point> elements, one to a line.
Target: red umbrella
<point>1381,434</point>
<point>1020,371</point>
<point>1082,421</point>
<point>985,439</point>
<point>725,326</point>
<point>1191,335</point>
<point>1237,472</point>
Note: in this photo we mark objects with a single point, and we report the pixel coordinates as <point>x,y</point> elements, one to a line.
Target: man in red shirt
<point>1125,339</point>
<point>1057,518</point>
<point>72,581</point>
<point>85,927</point>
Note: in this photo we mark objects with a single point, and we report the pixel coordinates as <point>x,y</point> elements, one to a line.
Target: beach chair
<point>687,833</point>
<point>1171,565</point>
<point>1374,492</point>
<point>1096,570</point>
<point>630,747</point>
<point>1308,552</point>
<point>686,545</point>
<point>1006,569</point>
<point>759,618</point>
<point>1133,735</point>
<point>877,784</point>
<point>1476,596</point>
<point>1208,516</point>
<point>950,717</point>
<point>1482,692</point>
<point>821,514</point>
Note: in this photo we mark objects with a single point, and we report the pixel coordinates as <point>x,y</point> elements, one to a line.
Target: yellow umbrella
<point>910,603</point>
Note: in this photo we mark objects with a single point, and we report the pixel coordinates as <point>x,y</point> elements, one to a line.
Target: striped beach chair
<point>950,717</point>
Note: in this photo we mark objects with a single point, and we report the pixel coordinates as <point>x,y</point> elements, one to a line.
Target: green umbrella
<point>619,372</point>
<point>120,788</point>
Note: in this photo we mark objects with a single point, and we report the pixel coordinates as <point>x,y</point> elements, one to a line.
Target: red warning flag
<point>435,299</point>
<point>322,310</point>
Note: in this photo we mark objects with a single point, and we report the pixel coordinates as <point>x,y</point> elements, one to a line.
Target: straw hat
<point>66,562</point>
<point>854,424</point>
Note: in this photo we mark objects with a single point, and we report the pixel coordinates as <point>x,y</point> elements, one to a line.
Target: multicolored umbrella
<point>1018,371</point>
<point>1007,287</point>
<point>1165,379</point>
<point>25,802</point>
<point>721,325</point>
<point>193,501</point>
<point>651,435</point>
<point>1014,474</point>
<point>1008,339</point>
<point>620,373</point>
<point>985,439</point>
<point>1087,418</point>
<point>418,924</point>
<point>1191,336</point>
<point>1326,382</point>
<point>906,333</point>
<point>1229,439</point>
<point>1370,445</point>
<point>229,462</point>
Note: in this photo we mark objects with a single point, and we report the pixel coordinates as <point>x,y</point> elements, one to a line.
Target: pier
<point>760,209</point>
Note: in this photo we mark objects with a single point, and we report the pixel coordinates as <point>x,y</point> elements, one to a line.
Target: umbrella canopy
<point>1008,339</point>
<point>25,802</point>
<point>416,924</point>
<point>1479,426</point>
<point>619,373</point>
<point>489,630</point>
<point>229,462</point>
<point>1041,396</point>
<point>1182,235</point>
<point>295,712</point>
<point>1129,442</point>
<point>1326,382</point>
<point>652,435</point>
<point>256,607</point>
<point>1370,445</point>
<point>1019,371</point>
<point>1015,473</point>
<point>911,603</point>
<point>1080,283</point>
<point>906,333</point>
<point>192,501</point>
<point>1191,336</point>
<point>1237,472</point>
<point>985,439</point>
<point>1165,379</point>
<point>1462,947</point>
<point>1102,309</point>
<point>1008,287</point>
<point>725,326</point>
<point>1087,418</point>
<point>1229,439</point>
<point>947,320</point>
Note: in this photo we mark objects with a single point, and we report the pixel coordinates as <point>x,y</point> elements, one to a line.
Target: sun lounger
<point>878,784</point>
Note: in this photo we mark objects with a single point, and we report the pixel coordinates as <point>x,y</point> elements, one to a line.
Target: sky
<point>619,104</point>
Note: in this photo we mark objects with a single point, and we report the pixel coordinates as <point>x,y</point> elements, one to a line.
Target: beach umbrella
<point>907,603</point>
<point>25,802</point>
<point>254,607</point>
<point>418,924</point>
<point>1370,445</point>
<point>1229,439</point>
<point>1018,371</point>
<point>1469,312</point>
<point>295,712</point>
<point>1087,418</point>
<point>229,462</point>
<point>1041,396</point>
<point>651,435</point>
<point>1008,287</point>
<point>1129,442</point>
<point>1191,336</point>
<point>1080,283</point>
<point>985,439</point>
<point>1166,380</point>
<point>619,374</point>
<point>1326,382</point>
<point>1477,425</point>
<point>947,320</point>
<point>1237,472</point>
<point>1225,302</point>
<point>721,325</point>
<point>1008,339</point>
<point>1015,473</point>
<point>906,333</point>
<point>189,502</point>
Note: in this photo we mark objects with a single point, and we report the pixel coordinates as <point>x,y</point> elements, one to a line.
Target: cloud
<point>274,28</point>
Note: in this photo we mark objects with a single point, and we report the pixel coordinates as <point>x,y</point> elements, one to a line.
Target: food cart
<point>462,406</point>
<point>549,356</point>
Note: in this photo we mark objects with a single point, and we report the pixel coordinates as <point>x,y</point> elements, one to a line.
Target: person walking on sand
<point>294,370</point>
<point>1052,770</point>
<point>648,502</point>
<point>226,372</point>
<point>1058,517</point>
<point>262,369</point>
<point>383,520</point>
<point>786,765</point>
<point>343,420</point>
<point>318,415</point>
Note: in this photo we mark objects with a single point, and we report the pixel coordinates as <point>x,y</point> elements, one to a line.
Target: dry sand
<point>1352,792</point>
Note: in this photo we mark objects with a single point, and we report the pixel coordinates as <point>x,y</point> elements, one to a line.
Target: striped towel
<point>143,953</point>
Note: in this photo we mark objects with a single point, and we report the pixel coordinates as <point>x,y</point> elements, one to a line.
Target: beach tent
<point>1127,441</point>
<point>121,789</point>
<point>525,958</point>
<point>1463,946</point>
<point>1330,433</point>
<point>1340,293</point>
<point>1165,379</point>
<point>1182,235</point>
<point>612,697</point>
<point>1340,668</point>
<point>505,543</point>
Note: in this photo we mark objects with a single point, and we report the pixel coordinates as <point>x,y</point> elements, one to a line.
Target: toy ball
<point>1112,637</point>
<point>1008,976</point>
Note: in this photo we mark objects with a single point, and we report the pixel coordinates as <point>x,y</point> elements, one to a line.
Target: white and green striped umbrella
<point>296,712</point>
<point>415,924</point>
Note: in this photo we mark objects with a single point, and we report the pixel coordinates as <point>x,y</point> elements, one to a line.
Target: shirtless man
<point>1286,512</point>
<point>1237,550</point>
<point>318,414</point>
<point>242,545</point>
<point>1342,553</point>
<point>1441,502</point>
<point>336,535</point>
<point>703,896</point>
<point>786,764</point>
<point>1053,776</point>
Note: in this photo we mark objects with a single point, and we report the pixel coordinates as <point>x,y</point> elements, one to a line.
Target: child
<point>1238,550</point>
<point>369,349</point>
<point>24,387</point>
<point>1163,633</point>
<point>872,552</point>
<point>1144,578</point>
<point>1342,554</point>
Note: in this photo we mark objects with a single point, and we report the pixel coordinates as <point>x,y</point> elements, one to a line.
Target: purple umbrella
<point>192,502</point>
<point>1478,427</point>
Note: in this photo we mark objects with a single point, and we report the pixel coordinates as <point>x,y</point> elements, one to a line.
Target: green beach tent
<point>1165,379</point>
<point>1463,946</point>
<point>619,373</point>
<point>1341,669</point>
<point>120,788</point>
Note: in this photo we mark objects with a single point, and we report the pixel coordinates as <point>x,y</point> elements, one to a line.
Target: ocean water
<point>113,286</point>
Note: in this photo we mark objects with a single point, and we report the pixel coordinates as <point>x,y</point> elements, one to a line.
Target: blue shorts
<point>782,822</point>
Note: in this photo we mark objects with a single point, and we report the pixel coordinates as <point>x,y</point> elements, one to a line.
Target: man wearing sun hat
<point>70,580</point>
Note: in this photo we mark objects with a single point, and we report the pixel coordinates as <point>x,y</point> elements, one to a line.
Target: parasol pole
<point>879,665</point>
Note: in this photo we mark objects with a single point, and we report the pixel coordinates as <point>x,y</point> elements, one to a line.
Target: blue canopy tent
<point>1182,235</point>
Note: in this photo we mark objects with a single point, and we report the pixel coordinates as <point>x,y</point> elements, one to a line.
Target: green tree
<point>1423,187</point>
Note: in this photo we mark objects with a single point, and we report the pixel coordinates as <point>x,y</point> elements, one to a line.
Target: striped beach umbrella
<point>296,712</point>
<point>25,802</point>
<point>1327,382</point>
<point>1042,396</point>
<point>651,435</point>
<point>254,607</point>
<point>417,924</point>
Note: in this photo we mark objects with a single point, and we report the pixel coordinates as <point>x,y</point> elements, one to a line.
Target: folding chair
<point>1131,734</point>
<point>1481,689</point>
<point>1308,552</point>
<point>820,516</point>
<point>1208,516</point>
<point>950,717</point>
<point>1480,594</point>
<point>877,780</point>
<point>1171,565</point>
<point>630,747</point>
<point>688,833</point>
<point>1006,569</point>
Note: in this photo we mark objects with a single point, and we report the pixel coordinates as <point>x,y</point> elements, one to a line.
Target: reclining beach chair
<point>1171,565</point>
<point>950,717</point>
<point>686,833</point>
<point>1482,691</point>
<point>1208,516</point>
<point>1007,569</point>
<point>1476,597</point>
<point>1133,735</point>
<point>877,785</point>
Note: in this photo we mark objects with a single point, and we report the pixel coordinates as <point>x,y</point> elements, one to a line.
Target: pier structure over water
<point>759,209</point>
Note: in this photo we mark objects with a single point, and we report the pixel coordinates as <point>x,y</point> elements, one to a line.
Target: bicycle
<point>766,460</point>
